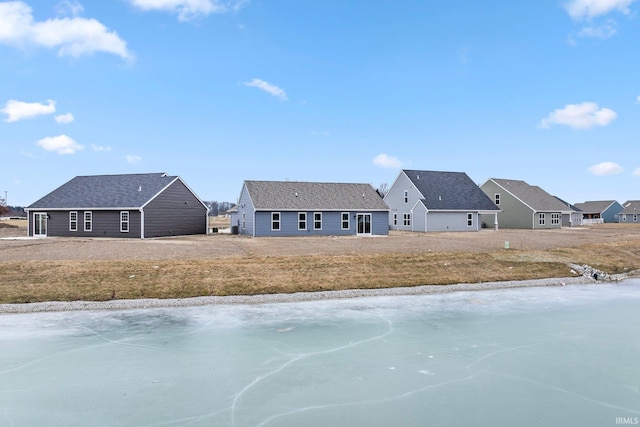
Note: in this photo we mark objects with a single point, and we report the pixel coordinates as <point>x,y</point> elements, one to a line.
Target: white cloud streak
<point>71,36</point>
<point>267,87</point>
<point>636,172</point>
<point>19,110</point>
<point>131,159</point>
<point>386,161</point>
<point>587,9</point>
<point>603,32</point>
<point>606,168</point>
<point>188,9</point>
<point>60,144</point>
<point>64,118</point>
<point>580,116</point>
<point>100,148</point>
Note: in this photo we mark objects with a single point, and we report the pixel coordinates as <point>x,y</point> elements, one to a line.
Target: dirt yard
<point>101,269</point>
<point>225,245</point>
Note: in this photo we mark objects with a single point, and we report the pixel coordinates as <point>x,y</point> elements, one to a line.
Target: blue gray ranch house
<point>427,201</point>
<point>130,205</point>
<point>290,208</point>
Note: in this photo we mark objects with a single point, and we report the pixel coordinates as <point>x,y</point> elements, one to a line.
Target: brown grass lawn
<point>59,269</point>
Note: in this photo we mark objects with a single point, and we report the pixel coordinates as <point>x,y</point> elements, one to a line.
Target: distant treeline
<point>218,208</point>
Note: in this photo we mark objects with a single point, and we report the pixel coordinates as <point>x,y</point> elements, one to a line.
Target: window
<point>407,219</point>
<point>124,221</point>
<point>624,218</point>
<point>345,221</point>
<point>73,221</point>
<point>541,219</point>
<point>406,196</point>
<point>88,221</point>
<point>469,220</point>
<point>555,218</point>
<point>395,219</point>
<point>244,220</point>
<point>635,217</point>
<point>317,220</point>
<point>302,220</point>
<point>497,199</point>
<point>275,221</point>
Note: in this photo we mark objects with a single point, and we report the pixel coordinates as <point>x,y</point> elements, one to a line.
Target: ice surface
<point>528,356</point>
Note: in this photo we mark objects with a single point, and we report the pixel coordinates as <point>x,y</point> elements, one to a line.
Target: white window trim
<point>469,219</point>
<point>73,223</point>
<point>244,220</point>
<point>555,218</point>
<point>122,222</point>
<point>315,220</point>
<point>406,196</point>
<point>395,218</point>
<point>348,220</point>
<point>88,220</point>
<point>541,219</point>
<point>406,220</point>
<point>496,199</point>
<point>302,218</point>
<point>274,221</point>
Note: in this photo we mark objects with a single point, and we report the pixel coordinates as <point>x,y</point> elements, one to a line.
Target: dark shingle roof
<point>533,196</point>
<point>596,206</point>
<point>105,191</point>
<point>450,191</point>
<point>631,207</point>
<point>293,195</point>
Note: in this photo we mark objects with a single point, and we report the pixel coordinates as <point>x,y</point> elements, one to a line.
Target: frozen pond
<point>528,357</point>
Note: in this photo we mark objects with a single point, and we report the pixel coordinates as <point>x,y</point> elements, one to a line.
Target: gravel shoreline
<point>281,298</point>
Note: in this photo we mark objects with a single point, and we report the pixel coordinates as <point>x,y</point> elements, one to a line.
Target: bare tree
<point>383,189</point>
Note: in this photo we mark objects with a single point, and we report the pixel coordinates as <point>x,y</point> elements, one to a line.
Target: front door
<point>364,224</point>
<point>39,224</point>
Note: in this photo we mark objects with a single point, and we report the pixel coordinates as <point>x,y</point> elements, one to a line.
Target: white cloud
<point>18,110</point>
<point>636,172</point>
<point>605,31</point>
<point>71,36</point>
<point>638,99</point>
<point>387,161</point>
<point>606,168</point>
<point>188,9</point>
<point>586,9</point>
<point>580,116</point>
<point>61,144</point>
<point>267,87</point>
<point>64,118</point>
<point>69,8</point>
<point>133,159</point>
<point>100,148</point>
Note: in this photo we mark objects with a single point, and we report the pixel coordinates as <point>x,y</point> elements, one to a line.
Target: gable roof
<point>294,195</point>
<point>449,191</point>
<point>596,206</point>
<point>532,195</point>
<point>631,207</point>
<point>106,192</point>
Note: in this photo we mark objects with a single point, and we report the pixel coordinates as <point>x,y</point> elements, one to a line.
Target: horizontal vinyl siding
<point>104,224</point>
<point>245,206</point>
<point>176,211</point>
<point>515,214</point>
<point>451,221</point>
<point>331,224</point>
<point>395,200</point>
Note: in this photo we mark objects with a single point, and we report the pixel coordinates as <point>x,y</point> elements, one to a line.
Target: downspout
<point>495,221</point>
<point>141,223</point>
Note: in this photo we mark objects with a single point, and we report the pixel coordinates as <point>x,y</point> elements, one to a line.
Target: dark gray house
<point>437,201</point>
<point>131,205</point>
<point>525,206</point>
<point>290,208</point>
<point>599,211</point>
<point>630,212</point>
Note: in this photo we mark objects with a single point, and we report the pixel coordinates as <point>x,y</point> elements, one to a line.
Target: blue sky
<point>340,91</point>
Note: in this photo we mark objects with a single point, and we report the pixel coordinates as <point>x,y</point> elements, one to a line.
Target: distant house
<point>630,212</point>
<point>524,206</point>
<point>572,217</point>
<point>437,201</point>
<point>600,211</point>
<point>290,208</point>
<point>132,205</point>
